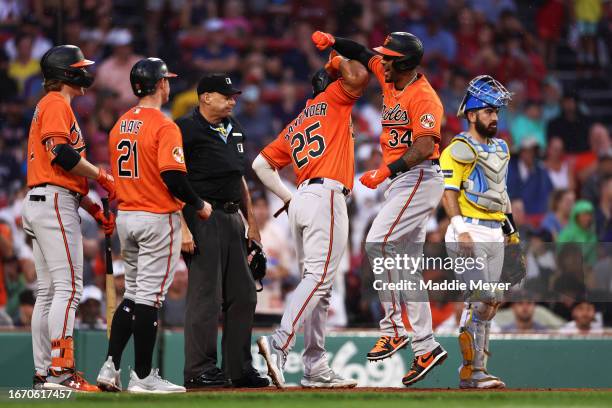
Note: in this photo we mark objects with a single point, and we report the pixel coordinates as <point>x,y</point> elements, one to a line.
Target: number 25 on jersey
<point>307,145</point>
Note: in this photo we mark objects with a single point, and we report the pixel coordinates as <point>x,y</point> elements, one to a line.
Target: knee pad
<point>485,311</point>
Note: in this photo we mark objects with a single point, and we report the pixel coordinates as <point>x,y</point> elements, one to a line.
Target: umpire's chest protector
<point>485,186</point>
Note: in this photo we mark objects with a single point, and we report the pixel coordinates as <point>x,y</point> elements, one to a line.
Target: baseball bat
<point>110,280</point>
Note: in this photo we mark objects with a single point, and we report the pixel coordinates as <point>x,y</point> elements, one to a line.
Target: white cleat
<point>109,379</point>
<point>275,360</point>
<point>329,380</point>
<point>152,384</point>
<point>481,379</point>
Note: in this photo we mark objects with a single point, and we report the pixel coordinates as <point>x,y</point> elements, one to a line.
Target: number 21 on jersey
<point>127,163</point>
<point>307,145</point>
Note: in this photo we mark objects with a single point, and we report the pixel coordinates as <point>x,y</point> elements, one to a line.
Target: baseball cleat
<point>38,381</point>
<point>423,364</point>
<point>386,346</point>
<point>481,379</point>
<point>275,360</point>
<point>68,380</point>
<point>109,379</point>
<point>152,384</point>
<point>329,380</point>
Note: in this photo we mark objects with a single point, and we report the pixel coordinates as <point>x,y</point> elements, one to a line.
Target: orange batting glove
<point>322,40</point>
<point>333,64</point>
<point>371,179</point>
<point>108,224</point>
<point>107,182</point>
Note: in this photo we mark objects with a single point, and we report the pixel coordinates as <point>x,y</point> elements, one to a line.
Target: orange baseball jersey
<point>319,142</point>
<point>54,123</point>
<point>408,114</point>
<point>143,144</point>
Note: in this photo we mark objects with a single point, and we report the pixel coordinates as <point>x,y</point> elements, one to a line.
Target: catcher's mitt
<point>514,268</point>
<point>258,262</point>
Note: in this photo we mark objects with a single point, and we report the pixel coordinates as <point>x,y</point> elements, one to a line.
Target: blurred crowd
<point>554,55</point>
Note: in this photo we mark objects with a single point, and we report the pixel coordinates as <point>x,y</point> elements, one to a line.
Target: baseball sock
<point>121,330</point>
<point>145,334</point>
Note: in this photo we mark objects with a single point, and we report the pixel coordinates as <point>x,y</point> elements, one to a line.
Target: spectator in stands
<point>303,59</point>
<point>571,125</point>
<point>561,204</point>
<point>592,186</point>
<point>583,320</point>
<point>40,44</point>
<point>256,119</point>
<point>529,125</point>
<point>173,311</point>
<point>587,14</point>
<point>523,312</point>
<point>23,67</point>
<point>114,73</point>
<point>558,168</point>
<point>26,308</point>
<point>439,43</point>
<point>484,58</point>
<point>551,94</point>
<point>215,55</point>
<point>492,9</point>
<point>540,260</point>
<point>89,313</point>
<point>603,212</point>
<point>528,179</point>
<point>550,21</point>
<point>585,164</point>
<point>581,230</point>
<point>452,95</point>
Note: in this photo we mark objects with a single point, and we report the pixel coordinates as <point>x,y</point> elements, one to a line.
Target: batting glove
<point>371,179</point>
<point>108,224</point>
<point>107,182</point>
<point>322,40</point>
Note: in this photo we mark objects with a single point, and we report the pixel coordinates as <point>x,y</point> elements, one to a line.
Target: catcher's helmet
<point>406,50</point>
<point>484,91</point>
<point>66,63</point>
<point>320,81</point>
<point>145,74</point>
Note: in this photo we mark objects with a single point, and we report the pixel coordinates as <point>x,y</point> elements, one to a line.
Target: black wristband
<point>508,226</point>
<point>398,166</point>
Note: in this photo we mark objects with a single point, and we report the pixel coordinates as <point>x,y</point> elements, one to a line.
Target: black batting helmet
<point>66,63</point>
<point>146,73</point>
<point>406,50</point>
<point>320,81</point>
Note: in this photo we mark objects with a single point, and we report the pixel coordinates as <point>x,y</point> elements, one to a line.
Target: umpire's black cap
<point>220,83</point>
<point>146,73</point>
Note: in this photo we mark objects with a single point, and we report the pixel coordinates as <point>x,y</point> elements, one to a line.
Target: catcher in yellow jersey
<point>475,166</point>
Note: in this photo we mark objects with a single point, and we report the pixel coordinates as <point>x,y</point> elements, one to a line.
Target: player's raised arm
<point>354,74</point>
<point>344,46</point>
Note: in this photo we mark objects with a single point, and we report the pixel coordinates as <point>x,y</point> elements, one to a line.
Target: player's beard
<point>486,131</point>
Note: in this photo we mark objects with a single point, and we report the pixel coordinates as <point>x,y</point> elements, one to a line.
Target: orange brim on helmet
<point>386,51</point>
<point>82,63</point>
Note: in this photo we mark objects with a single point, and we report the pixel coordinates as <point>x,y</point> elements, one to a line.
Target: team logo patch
<point>228,81</point>
<point>387,40</point>
<point>178,155</point>
<point>240,148</point>
<point>428,121</point>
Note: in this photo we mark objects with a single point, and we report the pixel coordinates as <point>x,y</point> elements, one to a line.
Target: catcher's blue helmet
<point>484,91</point>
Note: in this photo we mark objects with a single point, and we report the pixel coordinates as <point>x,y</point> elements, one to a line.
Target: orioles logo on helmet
<point>387,40</point>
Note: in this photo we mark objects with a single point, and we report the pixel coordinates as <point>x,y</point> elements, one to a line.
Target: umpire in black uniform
<point>219,275</point>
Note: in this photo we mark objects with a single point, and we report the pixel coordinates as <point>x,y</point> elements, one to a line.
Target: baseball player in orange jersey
<point>57,176</point>
<point>319,145</point>
<point>146,153</point>
<point>411,118</point>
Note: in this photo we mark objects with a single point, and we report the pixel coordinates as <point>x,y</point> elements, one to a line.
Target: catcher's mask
<point>482,92</point>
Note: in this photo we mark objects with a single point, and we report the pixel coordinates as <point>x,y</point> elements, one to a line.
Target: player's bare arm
<point>354,75</point>
<point>246,206</point>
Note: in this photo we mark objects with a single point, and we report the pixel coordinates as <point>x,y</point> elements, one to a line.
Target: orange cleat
<point>386,346</point>
<point>421,365</point>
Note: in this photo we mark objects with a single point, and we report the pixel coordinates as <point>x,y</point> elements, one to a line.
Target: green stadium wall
<point>522,362</point>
